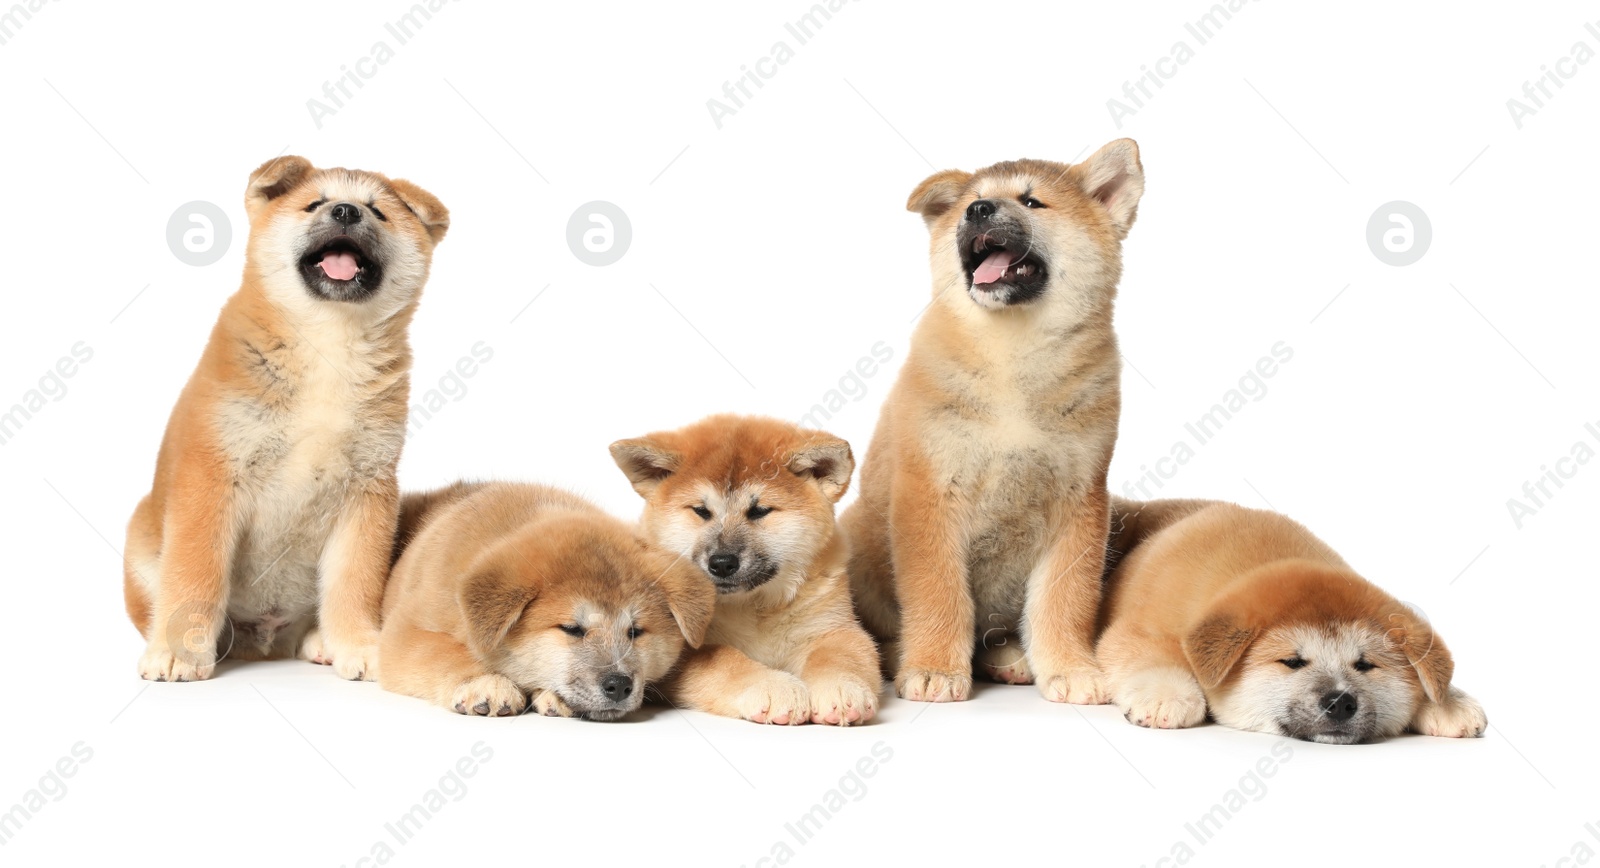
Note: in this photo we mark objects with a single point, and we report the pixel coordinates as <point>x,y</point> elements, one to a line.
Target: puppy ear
<point>1425,651</point>
<point>645,462</point>
<point>936,194</point>
<point>691,599</point>
<point>491,605</point>
<point>272,179</point>
<point>1113,177</point>
<point>826,459</point>
<point>1215,646</point>
<point>434,216</point>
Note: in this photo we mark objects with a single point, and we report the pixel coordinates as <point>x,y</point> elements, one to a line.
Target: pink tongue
<point>991,269</point>
<point>339,265</point>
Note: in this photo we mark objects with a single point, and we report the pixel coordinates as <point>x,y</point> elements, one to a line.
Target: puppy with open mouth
<point>507,596</point>
<point>267,530</point>
<point>1245,614</point>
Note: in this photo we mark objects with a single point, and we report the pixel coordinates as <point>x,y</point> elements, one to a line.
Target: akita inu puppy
<point>983,513</point>
<point>274,503</point>
<point>1245,613</point>
<point>749,501</point>
<point>503,591</point>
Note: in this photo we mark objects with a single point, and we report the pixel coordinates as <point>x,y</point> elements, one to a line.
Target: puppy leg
<point>841,674</point>
<point>1458,716</point>
<point>191,591</point>
<point>355,566</point>
<point>1003,660</point>
<point>438,668</point>
<point>1063,601</point>
<point>1150,680</point>
<point>930,579</point>
<point>720,679</point>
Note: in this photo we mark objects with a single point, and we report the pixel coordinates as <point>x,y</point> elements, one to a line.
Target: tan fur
<point>983,511</point>
<point>474,614</point>
<point>789,649</point>
<point>1207,601</point>
<point>274,500</point>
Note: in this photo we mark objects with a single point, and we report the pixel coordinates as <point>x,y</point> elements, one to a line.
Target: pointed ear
<point>491,604</point>
<point>826,459</point>
<point>1215,646</point>
<point>1425,651</point>
<point>1113,177</point>
<point>690,597</point>
<point>272,179</point>
<point>434,216</point>
<point>645,462</point>
<point>938,193</point>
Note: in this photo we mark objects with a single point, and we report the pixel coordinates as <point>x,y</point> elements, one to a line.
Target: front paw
<point>1163,705</point>
<point>1459,716</point>
<point>354,661</point>
<point>488,695</point>
<point>776,697</point>
<point>160,663</point>
<point>1081,686</point>
<point>548,704</point>
<point>843,701</point>
<point>926,685</point>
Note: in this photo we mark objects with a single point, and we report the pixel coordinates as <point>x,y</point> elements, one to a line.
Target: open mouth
<point>340,269</point>
<point>994,263</point>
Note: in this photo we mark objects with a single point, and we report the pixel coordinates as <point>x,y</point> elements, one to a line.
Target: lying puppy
<point>750,502</point>
<point>505,590</point>
<point>1246,613</point>
<point>274,503</point>
<point>983,511</point>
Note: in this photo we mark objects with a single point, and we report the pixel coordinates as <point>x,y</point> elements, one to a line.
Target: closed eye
<point>573,630</point>
<point>376,213</point>
<point>701,511</point>
<point>758,512</point>
<point>315,205</point>
<point>1294,662</point>
<point>1363,665</point>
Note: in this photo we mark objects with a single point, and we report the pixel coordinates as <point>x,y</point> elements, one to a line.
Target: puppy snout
<point>1339,706</point>
<point>981,210</point>
<point>346,213</point>
<point>723,565</point>
<point>616,686</point>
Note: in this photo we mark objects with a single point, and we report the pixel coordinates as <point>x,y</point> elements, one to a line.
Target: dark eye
<point>1363,666</point>
<point>376,213</point>
<point>573,630</point>
<point>1030,202</point>
<point>1294,662</point>
<point>702,512</point>
<point>315,205</point>
<point>758,511</point>
<point>635,632</point>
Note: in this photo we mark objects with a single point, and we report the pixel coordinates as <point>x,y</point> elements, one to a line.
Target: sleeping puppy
<point>1244,613</point>
<point>749,501</point>
<point>503,591</point>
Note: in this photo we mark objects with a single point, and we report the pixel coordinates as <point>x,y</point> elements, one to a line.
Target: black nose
<point>616,686</point>
<point>723,566</point>
<point>1339,706</point>
<point>982,209</point>
<point>346,213</point>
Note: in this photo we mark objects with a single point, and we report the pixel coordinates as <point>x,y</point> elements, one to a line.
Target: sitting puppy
<point>1245,613</point>
<point>750,502</point>
<point>274,503</point>
<point>504,590</point>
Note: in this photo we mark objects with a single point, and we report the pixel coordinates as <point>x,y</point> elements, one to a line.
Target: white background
<point>768,257</point>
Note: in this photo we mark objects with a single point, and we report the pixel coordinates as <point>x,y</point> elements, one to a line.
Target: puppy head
<point>1308,651</point>
<point>748,500</point>
<point>579,605</point>
<point>340,235</point>
<point>1033,231</point>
